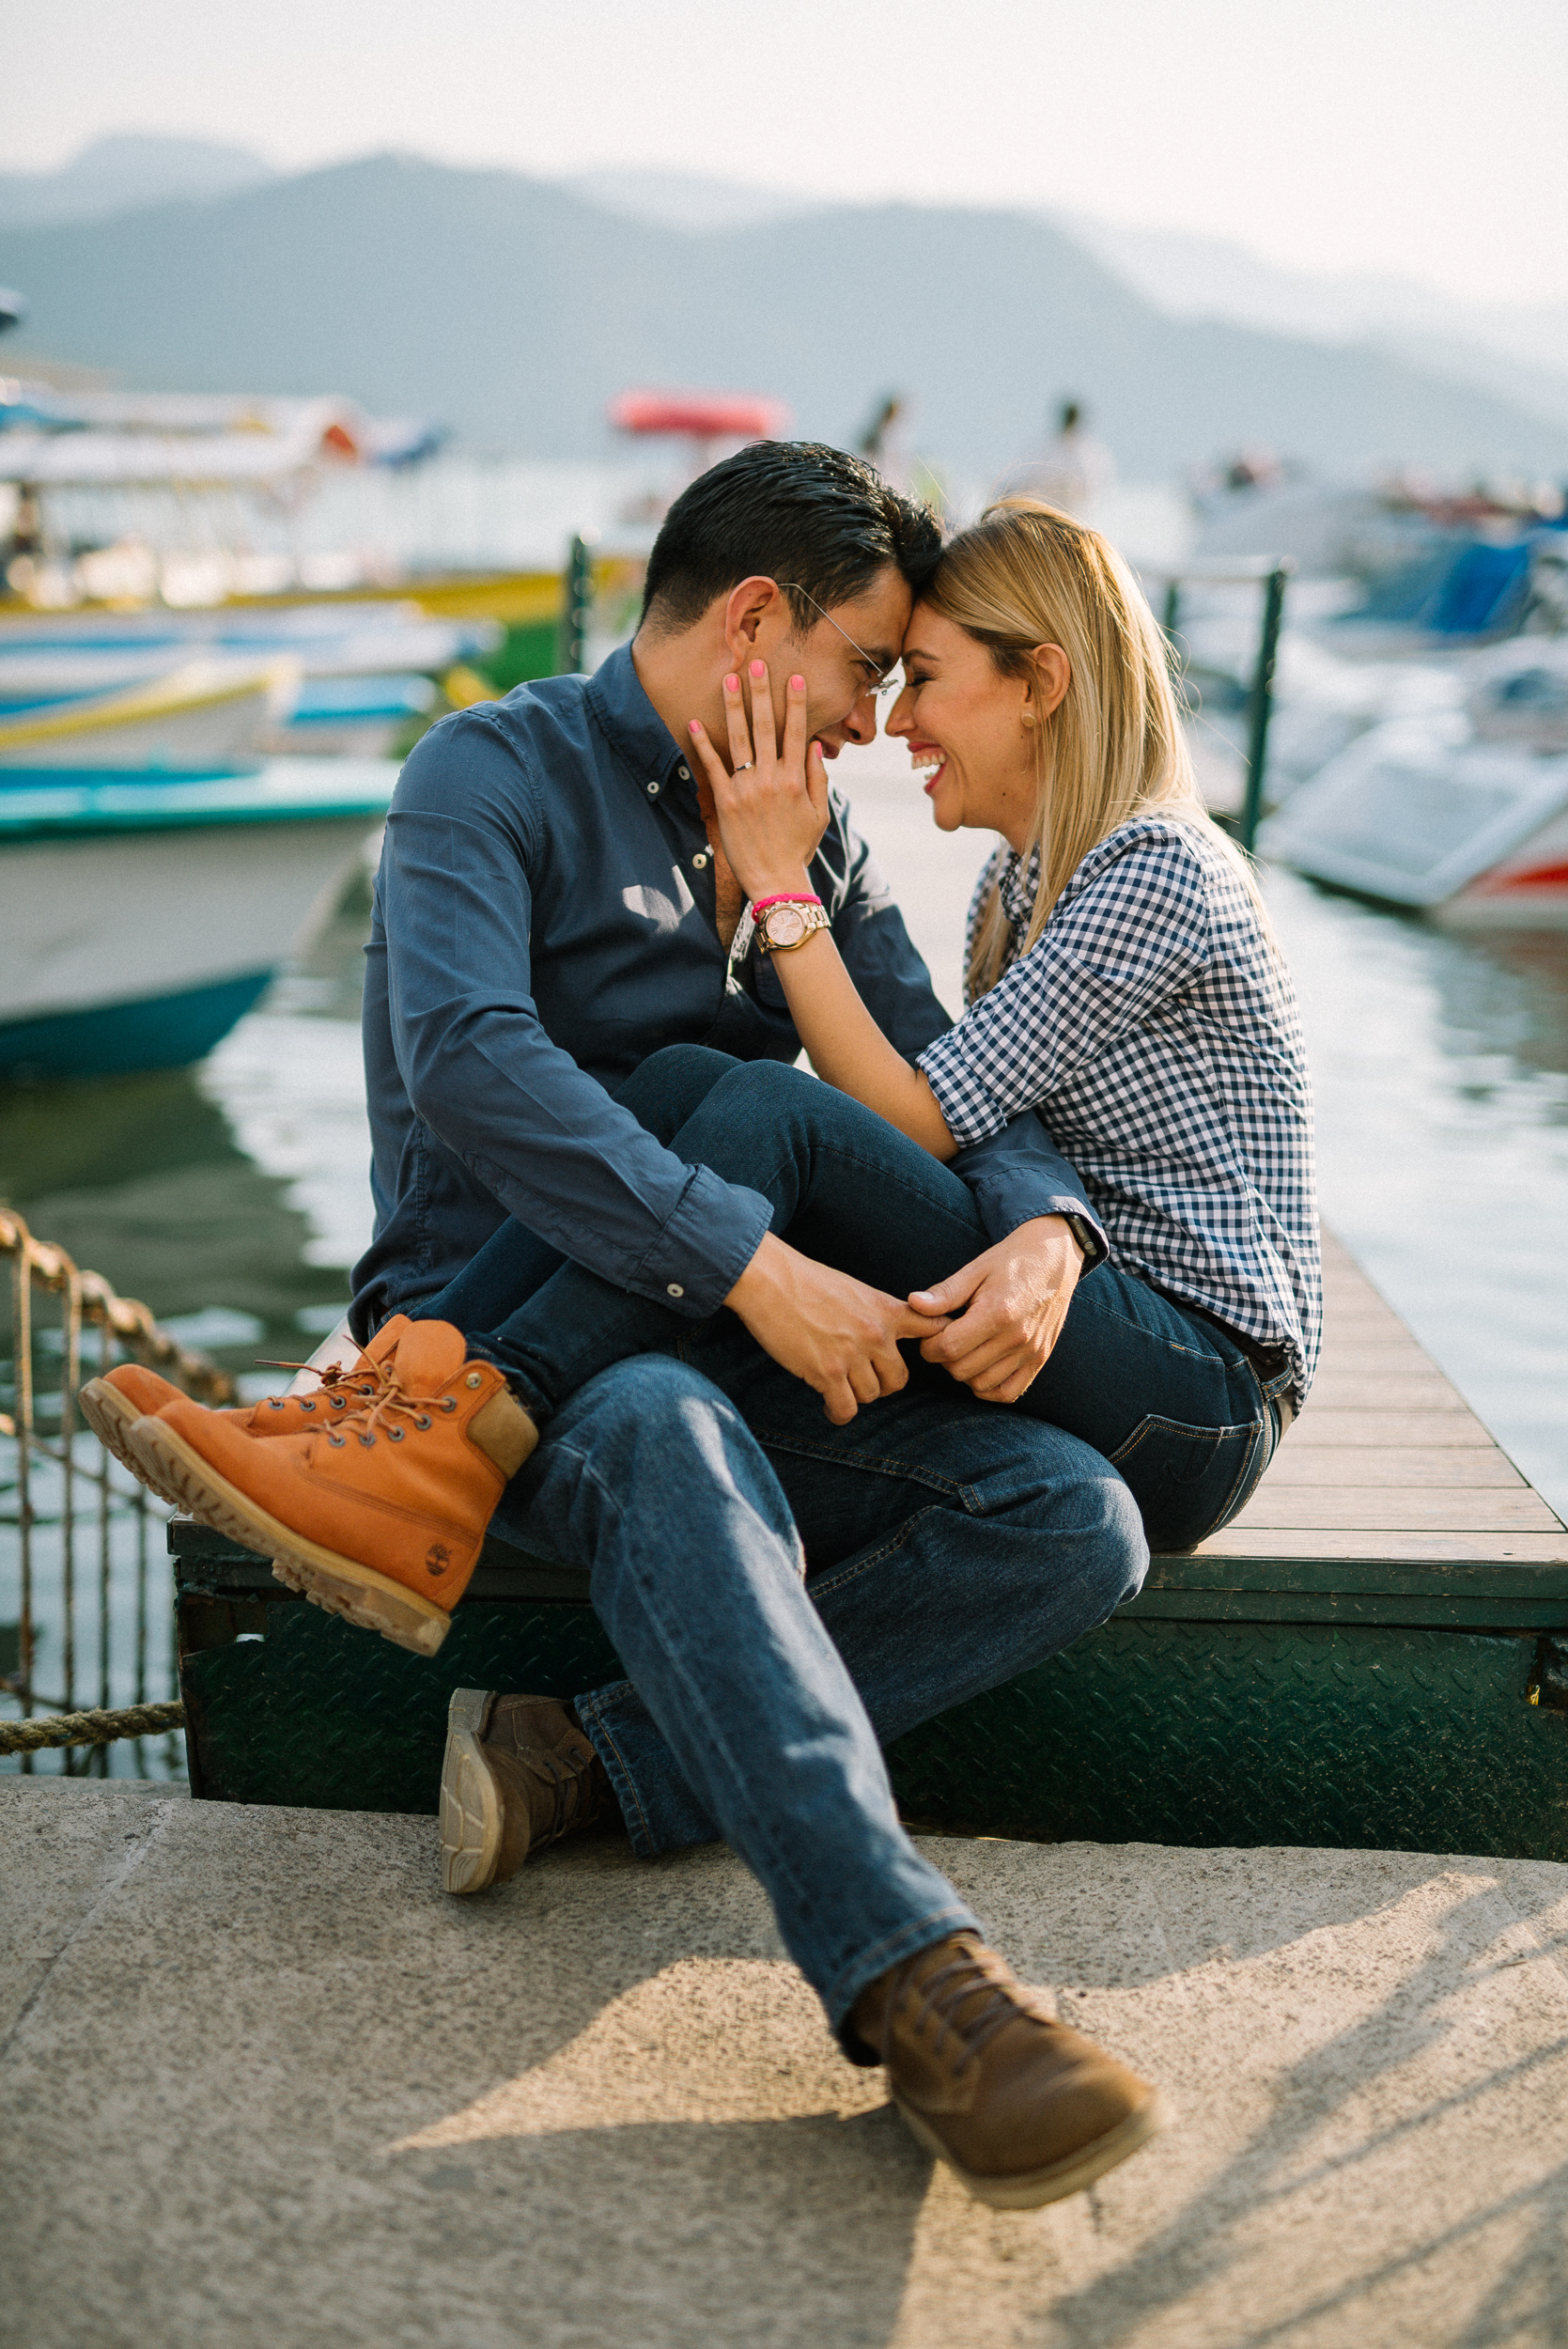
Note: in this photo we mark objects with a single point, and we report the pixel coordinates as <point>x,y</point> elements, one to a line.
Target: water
<point>1440,1066</point>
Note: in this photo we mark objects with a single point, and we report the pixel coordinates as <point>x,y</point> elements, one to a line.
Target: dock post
<point>577,605</point>
<point>1261,704</point>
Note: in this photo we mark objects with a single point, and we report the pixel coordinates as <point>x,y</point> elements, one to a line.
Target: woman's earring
<point>1029,717</point>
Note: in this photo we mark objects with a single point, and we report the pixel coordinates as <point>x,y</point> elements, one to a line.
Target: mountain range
<point>512,309</point>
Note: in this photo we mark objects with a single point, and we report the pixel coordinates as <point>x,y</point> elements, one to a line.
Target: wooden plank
<point>1375,1545</point>
<point>1345,1465</point>
<point>1340,1391</point>
<point>1444,1431</point>
<point>1401,1508</point>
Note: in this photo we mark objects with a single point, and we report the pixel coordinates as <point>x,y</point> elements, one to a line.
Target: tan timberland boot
<point>379,1518</point>
<point>518,1774</point>
<point>1023,2108</point>
<point>112,1405</point>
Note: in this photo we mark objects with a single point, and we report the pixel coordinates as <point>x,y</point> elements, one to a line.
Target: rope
<point>129,1321</point>
<point>88,1729</point>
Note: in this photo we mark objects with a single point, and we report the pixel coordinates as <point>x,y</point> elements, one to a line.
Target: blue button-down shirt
<point>545,918</point>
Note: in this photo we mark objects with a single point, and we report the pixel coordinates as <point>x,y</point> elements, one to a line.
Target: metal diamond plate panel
<point>1148,1731</point>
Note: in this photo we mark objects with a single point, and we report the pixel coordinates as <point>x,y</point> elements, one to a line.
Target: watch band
<point>787,923</point>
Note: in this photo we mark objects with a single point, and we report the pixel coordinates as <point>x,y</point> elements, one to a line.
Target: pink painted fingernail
<point>759,668</point>
<point>695,727</point>
<point>796,684</point>
<point>732,685</point>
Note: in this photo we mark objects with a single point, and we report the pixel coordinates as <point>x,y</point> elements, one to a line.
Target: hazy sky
<point>1427,137</point>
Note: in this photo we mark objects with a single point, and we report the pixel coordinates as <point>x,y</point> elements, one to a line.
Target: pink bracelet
<point>785,897</point>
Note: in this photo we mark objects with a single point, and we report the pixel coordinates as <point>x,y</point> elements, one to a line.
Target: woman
<point>1122,978</point>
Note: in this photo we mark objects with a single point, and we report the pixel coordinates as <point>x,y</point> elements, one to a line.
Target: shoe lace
<point>362,1377</point>
<point>575,1794</point>
<point>949,1990</point>
<point>388,1397</point>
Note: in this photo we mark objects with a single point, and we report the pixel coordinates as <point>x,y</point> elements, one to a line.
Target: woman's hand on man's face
<point>771,798</point>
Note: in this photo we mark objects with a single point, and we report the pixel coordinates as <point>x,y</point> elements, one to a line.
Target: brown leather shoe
<point>518,1774</point>
<point>1022,2110</point>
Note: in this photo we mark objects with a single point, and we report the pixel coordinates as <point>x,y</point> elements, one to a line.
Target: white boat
<point>1519,693</point>
<point>201,715</point>
<point>1423,813</point>
<point>140,918</point>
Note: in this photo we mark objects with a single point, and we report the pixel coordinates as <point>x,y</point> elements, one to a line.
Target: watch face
<point>786,924</point>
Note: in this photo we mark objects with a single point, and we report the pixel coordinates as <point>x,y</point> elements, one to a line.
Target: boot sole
<point>340,1585</point>
<point>471,1810</point>
<point>1027,2189</point>
<point>111,1419</point>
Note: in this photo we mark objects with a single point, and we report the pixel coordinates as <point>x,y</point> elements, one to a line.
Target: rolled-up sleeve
<point>542,1135</point>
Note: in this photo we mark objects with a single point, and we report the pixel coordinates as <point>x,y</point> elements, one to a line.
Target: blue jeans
<point>951,1545</point>
<point>1164,1395</point>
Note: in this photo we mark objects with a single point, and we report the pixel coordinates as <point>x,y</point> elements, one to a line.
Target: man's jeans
<point>1169,1398</point>
<point>952,1545</point>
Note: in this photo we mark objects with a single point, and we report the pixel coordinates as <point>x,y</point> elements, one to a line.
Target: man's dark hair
<point>791,510</point>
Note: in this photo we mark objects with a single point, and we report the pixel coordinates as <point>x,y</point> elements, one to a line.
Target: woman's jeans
<point>1170,1400</point>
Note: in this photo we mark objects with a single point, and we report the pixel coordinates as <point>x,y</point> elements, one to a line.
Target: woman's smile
<point>929,760</point>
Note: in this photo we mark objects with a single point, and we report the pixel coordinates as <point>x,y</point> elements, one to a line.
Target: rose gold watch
<point>785,924</point>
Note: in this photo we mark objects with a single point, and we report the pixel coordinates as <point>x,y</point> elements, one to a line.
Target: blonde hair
<point>1027,574</point>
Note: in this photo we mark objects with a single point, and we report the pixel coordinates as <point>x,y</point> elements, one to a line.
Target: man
<point>553,906</point>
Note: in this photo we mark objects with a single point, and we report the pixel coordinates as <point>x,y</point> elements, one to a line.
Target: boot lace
<point>946,1993</point>
<point>364,1379</point>
<point>375,1414</point>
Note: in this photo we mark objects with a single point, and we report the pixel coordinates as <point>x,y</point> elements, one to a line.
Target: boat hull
<point>118,1039</point>
<point>195,718</point>
<point>1421,815</point>
<point>140,920</point>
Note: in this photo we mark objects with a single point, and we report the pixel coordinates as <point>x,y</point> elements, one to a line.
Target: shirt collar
<point>635,728</point>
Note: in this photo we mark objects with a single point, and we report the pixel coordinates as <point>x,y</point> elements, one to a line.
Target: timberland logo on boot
<point>437,1559</point>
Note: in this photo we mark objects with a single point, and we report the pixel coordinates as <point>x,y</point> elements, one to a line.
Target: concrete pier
<point>264,2087</point>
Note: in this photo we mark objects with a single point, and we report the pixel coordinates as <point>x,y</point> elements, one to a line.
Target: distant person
<point>886,443</point>
<point>787,1591</point>
<point>1076,471</point>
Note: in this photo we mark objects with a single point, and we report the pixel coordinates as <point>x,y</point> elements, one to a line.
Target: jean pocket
<point>1187,1481</point>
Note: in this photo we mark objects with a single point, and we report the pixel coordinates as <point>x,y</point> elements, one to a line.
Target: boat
<point>1426,814</point>
<point>1519,694</point>
<point>141,916</point>
<point>191,718</point>
<point>355,717</point>
<point>358,636</point>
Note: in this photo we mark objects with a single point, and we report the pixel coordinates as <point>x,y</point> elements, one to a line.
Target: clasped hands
<point>992,1324</point>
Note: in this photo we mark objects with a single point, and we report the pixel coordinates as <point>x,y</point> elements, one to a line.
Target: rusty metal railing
<point>74,1526</point>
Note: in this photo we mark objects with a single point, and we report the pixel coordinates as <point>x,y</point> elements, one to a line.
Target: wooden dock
<point>1387,1466</point>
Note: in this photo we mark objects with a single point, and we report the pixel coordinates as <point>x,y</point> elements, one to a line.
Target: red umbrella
<point>701,415</point>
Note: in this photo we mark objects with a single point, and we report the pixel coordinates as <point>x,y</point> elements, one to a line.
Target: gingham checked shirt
<point>1156,1032</point>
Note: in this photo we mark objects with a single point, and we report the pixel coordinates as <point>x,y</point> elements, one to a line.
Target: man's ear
<point>745,609</point>
<point>1048,687</point>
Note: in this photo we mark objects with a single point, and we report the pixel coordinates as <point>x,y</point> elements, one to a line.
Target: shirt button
<point>653,790</point>
<point>700,859</point>
<point>675,1289</point>
<point>685,773</point>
